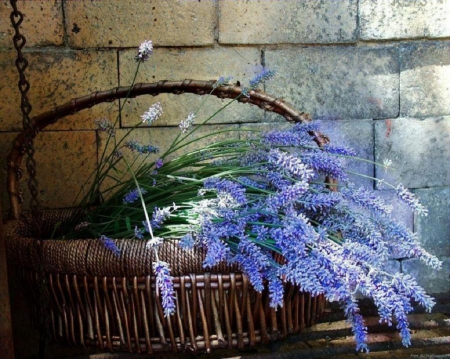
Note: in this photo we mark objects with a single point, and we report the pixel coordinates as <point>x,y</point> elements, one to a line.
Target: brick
<point>424,85</point>
<point>73,158</point>
<point>433,281</point>
<point>419,150</point>
<point>57,77</point>
<point>337,82</point>
<point>404,19</point>
<point>126,23</point>
<point>199,64</point>
<point>434,230</point>
<point>286,21</point>
<point>42,24</point>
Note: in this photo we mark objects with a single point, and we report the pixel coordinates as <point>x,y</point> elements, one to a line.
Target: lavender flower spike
<point>154,112</point>
<point>110,244</point>
<point>164,282</point>
<point>185,124</point>
<point>407,197</point>
<point>133,195</point>
<point>261,77</point>
<point>144,51</point>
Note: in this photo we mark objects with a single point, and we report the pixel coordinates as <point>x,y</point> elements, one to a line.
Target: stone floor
<point>328,339</point>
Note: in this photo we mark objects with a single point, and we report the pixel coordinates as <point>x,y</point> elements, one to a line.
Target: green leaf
<point>128,223</point>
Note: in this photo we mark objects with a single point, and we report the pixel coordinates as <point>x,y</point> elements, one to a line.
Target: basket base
<point>213,311</point>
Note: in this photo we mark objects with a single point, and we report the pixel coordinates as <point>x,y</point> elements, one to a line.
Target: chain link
<point>25,106</point>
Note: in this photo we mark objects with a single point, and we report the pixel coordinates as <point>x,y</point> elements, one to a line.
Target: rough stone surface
<point>199,64</point>
<point>356,82</point>
<point>63,163</point>
<point>55,78</point>
<point>419,150</point>
<point>42,24</point>
<point>404,19</point>
<point>126,23</point>
<point>424,74</point>
<point>433,281</point>
<point>286,21</point>
<point>434,230</point>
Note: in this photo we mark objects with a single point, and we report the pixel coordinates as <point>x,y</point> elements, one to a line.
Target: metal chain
<point>30,132</point>
<point>24,86</point>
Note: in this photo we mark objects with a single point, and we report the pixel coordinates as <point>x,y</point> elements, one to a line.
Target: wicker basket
<point>95,298</point>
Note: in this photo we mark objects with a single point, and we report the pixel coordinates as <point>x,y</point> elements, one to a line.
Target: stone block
<point>64,162</point>
<point>200,64</point>
<point>419,150</point>
<point>337,82</point>
<point>404,19</point>
<point>433,281</point>
<point>56,77</point>
<point>286,21</point>
<point>434,230</point>
<point>127,23</point>
<point>424,74</point>
<point>42,24</point>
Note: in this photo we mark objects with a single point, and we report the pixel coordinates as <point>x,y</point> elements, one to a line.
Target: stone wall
<point>376,74</point>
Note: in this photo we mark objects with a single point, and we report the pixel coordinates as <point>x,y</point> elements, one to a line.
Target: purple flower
<point>153,113</point>
<point>144,51</point>
<point>138,233</point>
<point>187,123</point>
<point>406,196</point>
<point>133,195</point>
<point>160,215</point>
<point>159,163</point>
<point>222,81</point>
<point>164,283</point>
<point>290,163</point>
<point>261,77</point>
<point>110,244</point>
<point>187,241</point>
<point>224,186</point>
<point>134,145</point>
<point>104,124</point>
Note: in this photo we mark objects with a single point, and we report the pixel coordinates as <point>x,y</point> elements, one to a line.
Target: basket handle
<point>198,87</point>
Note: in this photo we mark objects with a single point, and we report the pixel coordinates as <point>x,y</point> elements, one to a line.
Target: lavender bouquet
<point>250,196</point>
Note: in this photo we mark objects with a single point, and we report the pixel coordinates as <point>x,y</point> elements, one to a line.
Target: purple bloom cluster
<point>106,125</point>
<point>333,243</point>
<point>405,195</point>
<point>144,51</point>
<point>187,123</point>
<point>110,244</point>
<point>164,283</point>
<point>261,77</point>
<point>152,114</point>
<point>134,145</point>
<point>133,195</point>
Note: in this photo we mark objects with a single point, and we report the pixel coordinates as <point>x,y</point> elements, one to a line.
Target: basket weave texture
<point>97,298</point>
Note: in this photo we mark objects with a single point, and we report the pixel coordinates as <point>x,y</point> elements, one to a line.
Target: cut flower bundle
<point>252,199</point>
